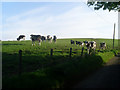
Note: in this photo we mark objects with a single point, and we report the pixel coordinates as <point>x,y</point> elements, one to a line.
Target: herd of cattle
<point>39,38</point>
<point>89,44</point>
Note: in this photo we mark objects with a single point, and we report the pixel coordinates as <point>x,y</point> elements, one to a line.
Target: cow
<point>54,38</point>
<point>102,45</point>
<point>36,38</point>
<point>91,45</point>
<point>43,38</point>
<point>72,42</point>
<point>49,38</point>
<point>21,37</point>
<point>79,43</point>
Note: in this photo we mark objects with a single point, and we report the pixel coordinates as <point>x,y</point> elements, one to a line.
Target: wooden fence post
<point>20,62</point>
<point>51,52</point>
<point>82,51</point>
<point>70,52</point>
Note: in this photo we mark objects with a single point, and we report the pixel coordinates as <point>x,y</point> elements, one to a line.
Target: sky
<point>63,19</point>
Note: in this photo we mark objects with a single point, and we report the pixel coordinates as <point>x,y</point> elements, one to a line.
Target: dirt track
<point>106,77</point>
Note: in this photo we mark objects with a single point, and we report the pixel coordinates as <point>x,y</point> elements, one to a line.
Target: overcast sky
<point>63,19</point>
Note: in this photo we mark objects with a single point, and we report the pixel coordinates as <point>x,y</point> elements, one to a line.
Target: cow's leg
<point>39,42</point>
<point>23,38</point>
<point>32,43</point>
<point>105,47</point>
<point>88,50</point>
<point>51,40</point>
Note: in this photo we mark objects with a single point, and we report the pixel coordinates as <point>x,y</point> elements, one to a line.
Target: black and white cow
<point>36,38</point>
<point>79,43</point>
<point>102,45</point>
<point>43,38</point>
<point>49,38</point>
<point>54,38</point>
<point>21,37</point>
<point>91,45</point>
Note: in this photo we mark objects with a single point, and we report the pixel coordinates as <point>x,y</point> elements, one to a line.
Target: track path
<point>106,77</point>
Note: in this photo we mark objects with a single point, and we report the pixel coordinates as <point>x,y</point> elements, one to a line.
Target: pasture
<point>39,69</point>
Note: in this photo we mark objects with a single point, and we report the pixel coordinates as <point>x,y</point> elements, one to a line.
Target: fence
<point>52,54</point>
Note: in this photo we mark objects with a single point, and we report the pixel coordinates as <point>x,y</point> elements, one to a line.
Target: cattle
<point>79,43</point>
<point>72,42</point>
<point>91,45</point>
<point>21,37</point>
<point>36,38</point>
<point>43,38</point>
<point>102,45</point>
<point>49,38</point>
<point>54,38</point>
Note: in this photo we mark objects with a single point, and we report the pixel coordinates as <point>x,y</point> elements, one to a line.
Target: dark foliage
<point>105,5</point>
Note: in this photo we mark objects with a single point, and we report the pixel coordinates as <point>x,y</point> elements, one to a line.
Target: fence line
<point>51,54</point>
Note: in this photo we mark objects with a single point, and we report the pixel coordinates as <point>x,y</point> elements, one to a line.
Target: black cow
<point>102,45</point>
<point>43,38</point>
<point>54,38</point>
<point>72,42</point>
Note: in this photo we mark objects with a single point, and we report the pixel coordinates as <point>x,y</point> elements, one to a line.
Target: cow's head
<point>18,39</point>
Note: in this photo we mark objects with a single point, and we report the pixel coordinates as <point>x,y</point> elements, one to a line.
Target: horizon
<point>65,38</point>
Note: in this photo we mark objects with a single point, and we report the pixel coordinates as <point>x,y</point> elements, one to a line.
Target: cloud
<point>26,14</point>
<point>76,22</point>
<point>43,0</point>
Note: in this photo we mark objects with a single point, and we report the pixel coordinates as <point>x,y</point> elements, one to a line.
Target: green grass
<point>41,70</point>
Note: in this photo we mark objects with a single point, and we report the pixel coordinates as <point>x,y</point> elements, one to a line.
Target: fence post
<point>82,51</point>
<point>20,62</point>
<point>70,52</point>
<point>51,52</point>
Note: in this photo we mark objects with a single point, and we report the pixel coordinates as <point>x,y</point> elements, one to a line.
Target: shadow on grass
<point>47,71</point>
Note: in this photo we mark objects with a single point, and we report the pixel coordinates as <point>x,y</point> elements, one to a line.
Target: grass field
<point>39,69</point>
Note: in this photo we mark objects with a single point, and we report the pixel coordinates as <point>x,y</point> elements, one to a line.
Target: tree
<point>104,5</point>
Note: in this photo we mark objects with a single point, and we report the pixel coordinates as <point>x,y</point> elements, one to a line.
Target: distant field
<point>38,57</point>
<point>14,46</point>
